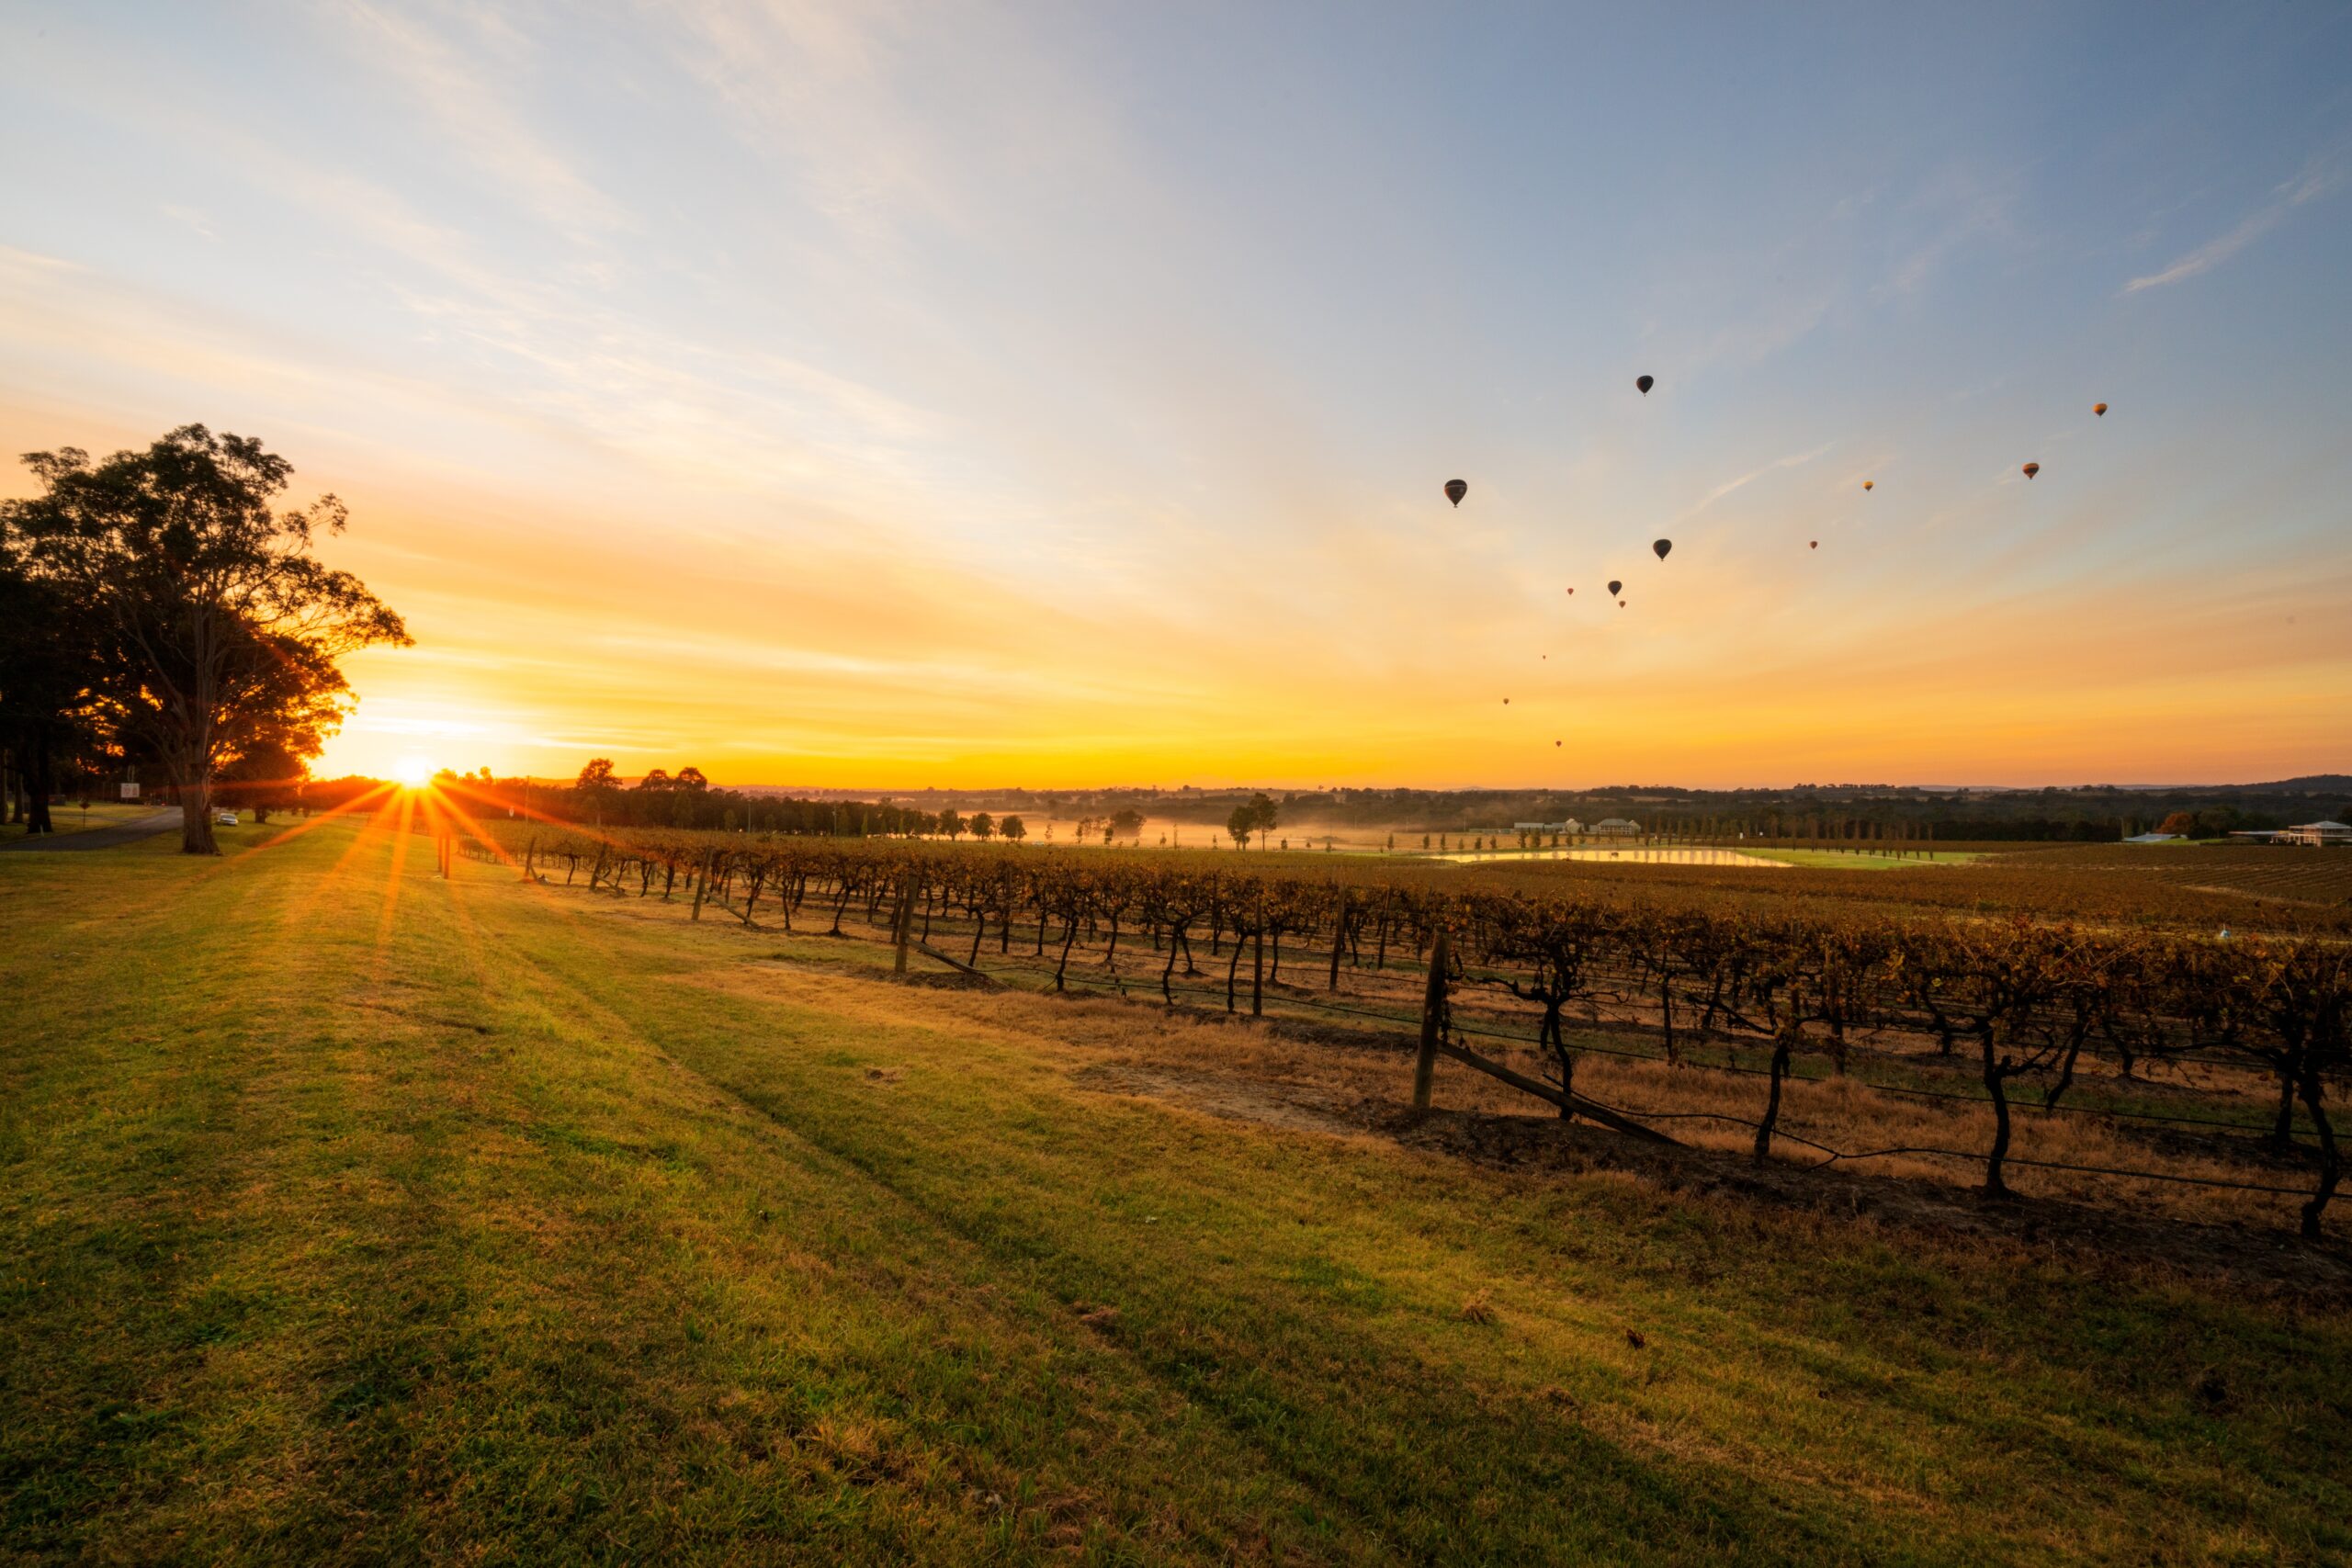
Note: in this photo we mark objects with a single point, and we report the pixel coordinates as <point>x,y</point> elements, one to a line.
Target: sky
<point>888,396</point>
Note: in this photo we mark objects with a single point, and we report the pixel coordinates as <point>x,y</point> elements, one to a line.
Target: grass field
<point>1862,861</point>
<point>348,1213</point>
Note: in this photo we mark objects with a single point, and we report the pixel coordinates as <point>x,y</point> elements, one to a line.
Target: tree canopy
<point>211,629</point>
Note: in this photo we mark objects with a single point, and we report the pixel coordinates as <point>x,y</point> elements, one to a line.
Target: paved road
<point>96,838</point>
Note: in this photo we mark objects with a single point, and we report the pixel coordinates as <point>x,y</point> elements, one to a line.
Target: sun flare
<point>413,771</point>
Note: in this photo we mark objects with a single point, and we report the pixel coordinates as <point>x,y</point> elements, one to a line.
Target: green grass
<point>1863,861</point>
<point>475,1221</point>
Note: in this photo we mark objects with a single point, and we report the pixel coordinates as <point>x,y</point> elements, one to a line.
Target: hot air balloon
<point>1813,544</point>
<point>1572,591</point>
<point>1456,490</point>
<point>1869,483</point>
<point>2031,470</point>
<point>1556,743</point>
<point>1505,702</point>
<point>1661,547</point>
<point>1615,589</point>
<point>2099,409</point>
<point>1644,383</point>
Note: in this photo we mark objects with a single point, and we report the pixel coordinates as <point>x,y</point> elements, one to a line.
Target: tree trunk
<point>1996,1085</point>
<point>1167,976</point>
<point>38,785</point>
<point>2282,1127</point>
<point>2331,1163</point>
<point>196,811</point>
<point>1781,1046</point>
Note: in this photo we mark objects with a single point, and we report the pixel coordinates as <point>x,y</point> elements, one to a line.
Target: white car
<point>224,818</point>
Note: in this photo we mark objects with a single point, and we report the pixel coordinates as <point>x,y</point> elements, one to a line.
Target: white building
<point>1616,828</point>
<point>2316,834</point>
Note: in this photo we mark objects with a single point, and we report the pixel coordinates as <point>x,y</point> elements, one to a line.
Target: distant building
<point>1568,827</point>
<point>2154,839</point>
<point>1616,828</point>
<point>2312,835</point>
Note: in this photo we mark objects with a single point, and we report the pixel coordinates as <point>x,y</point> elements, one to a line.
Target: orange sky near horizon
<point>820,399</point>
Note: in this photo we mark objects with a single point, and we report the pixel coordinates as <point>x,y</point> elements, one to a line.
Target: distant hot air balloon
<point>1615,589</point>
<point>2031,470</point>
<point>1505,702</point>
<point>1661,547</point>
<point>1813,544</point>
<point>2099,409</point>
<point>1556,743</point>
<point>1456,490</point>
<point>1869,483</point>
<point>1644,383</point>
<point>1572,591</point>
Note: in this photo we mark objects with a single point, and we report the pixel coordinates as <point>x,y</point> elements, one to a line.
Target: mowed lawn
<point>348,1213</point>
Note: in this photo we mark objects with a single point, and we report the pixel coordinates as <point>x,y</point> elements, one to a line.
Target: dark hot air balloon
<point>1661,547</point>
<point>1615,589</point>
<point>2099,409</point>
<point>1813,544</point>
<point>1456,490</point>
<point>1644,383</point>
<point>1869,483</point>
<point>2031,470</point>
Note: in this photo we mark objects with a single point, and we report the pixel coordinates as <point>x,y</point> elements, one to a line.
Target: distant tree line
<point>686,798</point>
<point>159,619</point>
<point>2098,814</point>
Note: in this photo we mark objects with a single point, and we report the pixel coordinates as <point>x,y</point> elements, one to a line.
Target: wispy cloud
<point>2319,176</point>
<point>473,106</point>
<point>1793,460</point>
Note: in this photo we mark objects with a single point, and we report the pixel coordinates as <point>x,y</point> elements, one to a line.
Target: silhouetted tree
<point>218,622</point>
<point>1265,814</point>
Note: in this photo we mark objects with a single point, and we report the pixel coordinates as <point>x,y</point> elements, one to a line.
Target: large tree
<point>49,670</point>
<point>222,628</point>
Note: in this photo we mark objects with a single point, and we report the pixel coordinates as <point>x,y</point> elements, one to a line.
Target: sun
<point>413,771</point>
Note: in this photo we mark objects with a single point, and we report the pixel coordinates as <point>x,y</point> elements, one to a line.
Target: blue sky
<point>930,394</point>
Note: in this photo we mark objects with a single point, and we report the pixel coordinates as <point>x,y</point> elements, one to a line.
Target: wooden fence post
<point>901,927</point>
<point>702,885</point>
<point>1433,1013</point>
<point>1258,963</point>
<point>1338,939</point>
